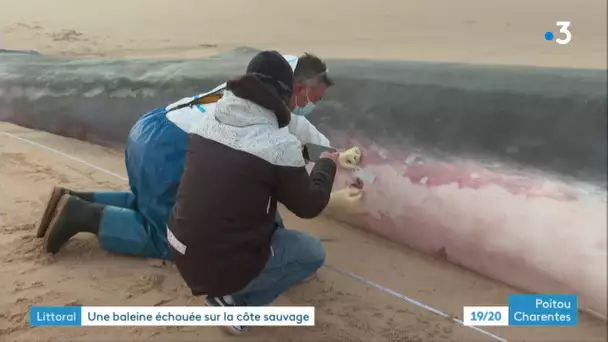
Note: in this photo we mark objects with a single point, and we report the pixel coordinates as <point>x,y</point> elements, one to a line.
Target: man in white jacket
<point>134,222</point>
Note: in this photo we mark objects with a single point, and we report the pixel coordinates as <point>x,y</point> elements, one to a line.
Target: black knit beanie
<point>273,69</point>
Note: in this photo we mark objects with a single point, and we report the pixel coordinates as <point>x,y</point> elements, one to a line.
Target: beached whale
<point>499,169</point>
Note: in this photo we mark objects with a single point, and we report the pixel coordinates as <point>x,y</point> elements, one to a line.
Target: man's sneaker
<point>226,301</point>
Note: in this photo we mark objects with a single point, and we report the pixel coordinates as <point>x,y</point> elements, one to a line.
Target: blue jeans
<point>295,256</point>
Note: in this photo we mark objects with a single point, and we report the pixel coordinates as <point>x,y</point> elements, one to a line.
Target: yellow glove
<point>349,159</point>
<point>345,199</point>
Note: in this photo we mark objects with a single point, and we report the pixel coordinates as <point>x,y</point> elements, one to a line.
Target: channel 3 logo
<point>563,29</point>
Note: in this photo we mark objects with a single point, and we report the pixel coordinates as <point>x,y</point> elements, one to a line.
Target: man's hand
<point>345,199</point>
<point>349,159</point>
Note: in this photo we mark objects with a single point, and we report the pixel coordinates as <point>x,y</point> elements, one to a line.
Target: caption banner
<point>171,316</point>
<point>548,310</point>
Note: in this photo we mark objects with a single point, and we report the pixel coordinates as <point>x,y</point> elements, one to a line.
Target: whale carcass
<point>499,169</point>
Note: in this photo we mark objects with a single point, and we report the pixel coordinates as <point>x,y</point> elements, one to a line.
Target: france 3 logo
<point>564,29</point>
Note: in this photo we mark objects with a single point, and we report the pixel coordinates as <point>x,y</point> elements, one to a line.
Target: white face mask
<point>310,106</point>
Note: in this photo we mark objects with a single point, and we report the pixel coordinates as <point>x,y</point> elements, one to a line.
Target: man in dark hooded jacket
<point>241,161</point>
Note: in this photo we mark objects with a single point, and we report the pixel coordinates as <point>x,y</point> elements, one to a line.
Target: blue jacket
<point>155,155</point>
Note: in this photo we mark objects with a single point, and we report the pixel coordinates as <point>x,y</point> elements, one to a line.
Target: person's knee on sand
<point>315,258</point>
<point>295,256</point>
<point>119,230</point>
<point>310,256</point>
<point>309,252</point>
<point>122,199</point>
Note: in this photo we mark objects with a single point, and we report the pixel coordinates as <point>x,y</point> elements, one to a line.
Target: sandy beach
<point>476,31</point>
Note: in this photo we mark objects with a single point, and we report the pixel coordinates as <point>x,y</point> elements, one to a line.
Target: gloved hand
<point>345,199</point>
<point>350,158</point>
